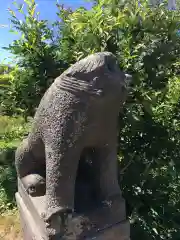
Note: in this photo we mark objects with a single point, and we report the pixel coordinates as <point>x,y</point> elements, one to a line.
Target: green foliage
<point>12,130</point>
<point>7,89</point>
<point>7,187</point>
<point>37,62</point>
<point>4,69</point>
<point>5,81</point>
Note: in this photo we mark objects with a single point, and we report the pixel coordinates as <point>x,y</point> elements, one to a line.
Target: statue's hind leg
<point>30,169</point>
<point>24,159</point>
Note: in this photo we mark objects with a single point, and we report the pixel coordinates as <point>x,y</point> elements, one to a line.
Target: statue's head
<point>98,75</point>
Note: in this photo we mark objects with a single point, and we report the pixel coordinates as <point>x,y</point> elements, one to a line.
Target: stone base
<point>103,223</point>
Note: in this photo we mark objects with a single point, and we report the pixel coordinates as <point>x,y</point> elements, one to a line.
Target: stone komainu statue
<point>79,110</point>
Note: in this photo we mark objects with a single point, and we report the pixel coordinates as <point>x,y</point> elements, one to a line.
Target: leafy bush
<point>7,90</point>
<point>37,60</point>
<point>12,130</point>
<point>4,80</point>
<point>8,187</point>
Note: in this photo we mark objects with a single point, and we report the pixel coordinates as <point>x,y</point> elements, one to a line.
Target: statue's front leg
<point>106,158</point>
<point>61,167</point>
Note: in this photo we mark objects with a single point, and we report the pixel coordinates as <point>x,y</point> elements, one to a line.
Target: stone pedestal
<point>100,223</point>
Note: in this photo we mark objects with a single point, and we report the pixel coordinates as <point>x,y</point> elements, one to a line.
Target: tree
<point>37,60</point>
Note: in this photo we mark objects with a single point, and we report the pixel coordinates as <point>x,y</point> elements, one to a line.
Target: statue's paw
<point>34,184</point>
<point>54,227</point>
<point>56,221</point>
<point>56,213</point>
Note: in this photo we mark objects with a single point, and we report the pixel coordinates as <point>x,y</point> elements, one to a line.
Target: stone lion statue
<point>79,110</point>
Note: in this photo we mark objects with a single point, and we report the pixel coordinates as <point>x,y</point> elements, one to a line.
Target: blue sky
<point>47,10</point>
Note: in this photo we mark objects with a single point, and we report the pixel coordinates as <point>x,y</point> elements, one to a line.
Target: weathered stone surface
<point>103,223</point>
<point>77,118</point>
